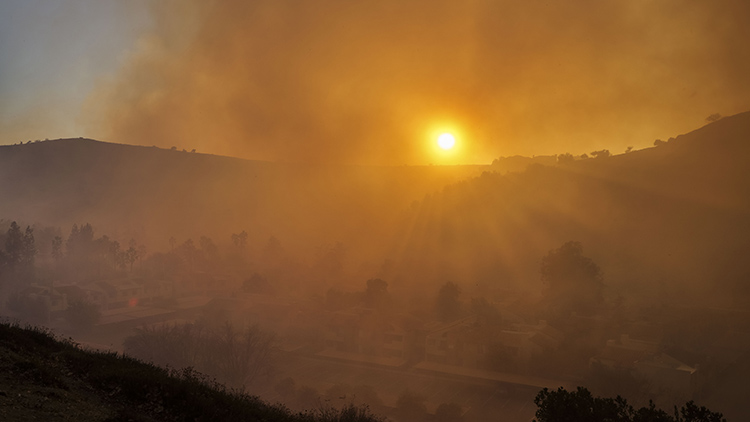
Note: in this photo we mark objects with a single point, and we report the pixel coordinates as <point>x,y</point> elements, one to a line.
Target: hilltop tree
<point>713,117</point>
<point>566,158</point>
<point>601,154</point>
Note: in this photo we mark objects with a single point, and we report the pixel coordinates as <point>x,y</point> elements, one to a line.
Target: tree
<point>28,249</point>
<point>573,281</point>
<point>257,284</point>
<point>601,154</point>
<point>581,406</point>
<point>566,158</point>
<point>713,117</point>
<point>131,255</point>
<point>14,246</point>
<point>448,305</point>
<point>57,248</point>
<point>376,295</point>
<point>240,240</point>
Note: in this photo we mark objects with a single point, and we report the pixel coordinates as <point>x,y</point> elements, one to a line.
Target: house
<point>469,343</point>
<point>341,331</point>
<point>643,359</point>
<point>53,299</point>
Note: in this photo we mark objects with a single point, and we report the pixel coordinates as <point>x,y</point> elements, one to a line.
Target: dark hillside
<point>661,222</point>
<point>152,193</point>
<point>42,378</point>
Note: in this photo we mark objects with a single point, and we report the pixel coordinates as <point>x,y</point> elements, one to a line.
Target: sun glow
<point>446,141</point>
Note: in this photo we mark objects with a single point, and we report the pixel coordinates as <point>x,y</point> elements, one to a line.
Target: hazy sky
<point>371,82</point>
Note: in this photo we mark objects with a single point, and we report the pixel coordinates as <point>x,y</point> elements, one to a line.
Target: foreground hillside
<point>42,378</point>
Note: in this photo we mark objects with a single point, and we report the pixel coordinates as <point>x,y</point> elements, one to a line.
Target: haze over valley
<point>403,211</point>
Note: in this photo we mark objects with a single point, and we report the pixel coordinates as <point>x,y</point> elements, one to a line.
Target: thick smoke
<point>368,82</point>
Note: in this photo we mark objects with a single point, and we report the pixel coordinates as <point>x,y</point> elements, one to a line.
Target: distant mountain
<point>153,194</point>
<point>662,222</point>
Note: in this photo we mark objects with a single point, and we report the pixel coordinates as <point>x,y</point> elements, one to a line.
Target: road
<point>481,400</point>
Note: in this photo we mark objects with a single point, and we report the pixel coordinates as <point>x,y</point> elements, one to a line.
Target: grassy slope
<point>43,378</point>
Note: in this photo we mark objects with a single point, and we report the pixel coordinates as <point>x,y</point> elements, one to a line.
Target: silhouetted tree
<point>28,250</point>
<point>581,406</point>
<point>57,248</point>
<point>273,252</point>
<point>240,240</point>
<point>14,245</point>
<point>376,295</point>
<point>601,154</point>
<point>448,305</point>
<point>257,284</point>
<point>573,281</point>
<point>566,158</point>
<point>131,255</point>
<point>713,117</point>
<point>659,142</point>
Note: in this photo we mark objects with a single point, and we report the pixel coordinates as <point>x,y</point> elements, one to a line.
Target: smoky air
<point>375,211</point>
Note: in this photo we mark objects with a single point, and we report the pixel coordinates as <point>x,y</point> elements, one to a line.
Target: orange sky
<point>374,82</point>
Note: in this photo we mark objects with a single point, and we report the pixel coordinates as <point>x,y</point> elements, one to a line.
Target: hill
<point>42,378</point>
<point>663,222</point>
<point>667,221</point>
<point>152,194</point>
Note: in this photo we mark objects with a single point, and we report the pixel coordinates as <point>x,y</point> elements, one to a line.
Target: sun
<point>446,141</point>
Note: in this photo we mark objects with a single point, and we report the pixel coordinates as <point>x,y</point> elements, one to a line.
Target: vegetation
<point>235,357</point>
<point>573,281</point>
<point>56,380</point>
<point>582,406</point>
